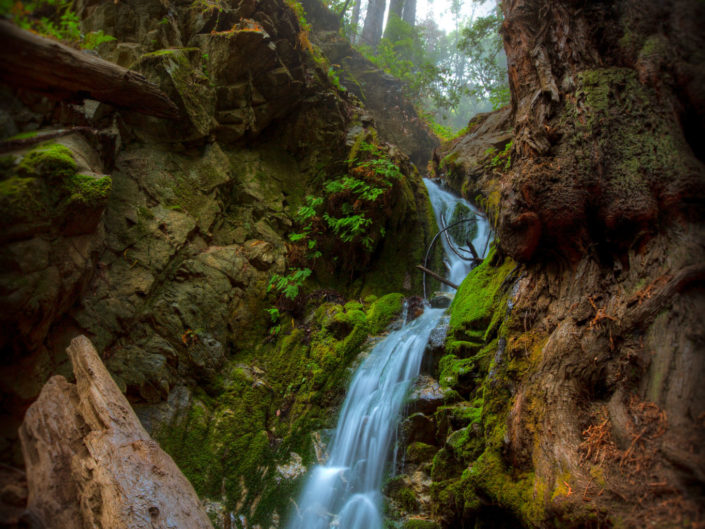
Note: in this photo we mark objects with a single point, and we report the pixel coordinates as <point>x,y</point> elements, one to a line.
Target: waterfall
<point>345,492</point>
<point>449,208</point>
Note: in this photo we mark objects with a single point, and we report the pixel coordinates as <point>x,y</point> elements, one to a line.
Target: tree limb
<point>56,70</point>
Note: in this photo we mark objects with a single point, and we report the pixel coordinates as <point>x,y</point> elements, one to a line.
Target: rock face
<point>90,463</point>
<point>167,268</point>
<point>381,93</point>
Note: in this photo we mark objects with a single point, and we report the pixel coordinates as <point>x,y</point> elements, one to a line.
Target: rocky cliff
<point>157,238</point>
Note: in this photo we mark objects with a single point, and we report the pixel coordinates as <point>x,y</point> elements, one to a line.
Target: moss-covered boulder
<point>51,206</point>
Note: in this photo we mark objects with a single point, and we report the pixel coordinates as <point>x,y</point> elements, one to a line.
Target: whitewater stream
<point>345,493</point>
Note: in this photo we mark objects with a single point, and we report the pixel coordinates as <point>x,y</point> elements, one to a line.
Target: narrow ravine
<point>345,492</point>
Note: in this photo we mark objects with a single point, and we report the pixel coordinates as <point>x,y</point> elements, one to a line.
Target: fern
<point>290,285</point>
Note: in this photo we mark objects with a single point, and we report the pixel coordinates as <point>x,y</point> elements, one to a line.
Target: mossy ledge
<point>486,355</point>
<point>230,443</point>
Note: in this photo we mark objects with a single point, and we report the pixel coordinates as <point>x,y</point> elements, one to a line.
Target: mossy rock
<point>383,311</point>
<point>22,200</point>
<point>49,160</point>
<point>522,493</point>
<point>87,189</point>
<point>420,523</point>
<point>226,445</point>
<point>473,307</point>
<point>417,452</point>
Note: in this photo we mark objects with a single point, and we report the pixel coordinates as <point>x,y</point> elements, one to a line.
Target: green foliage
<point>51,160</point>
<point>289,285</point>
<point>95,38</point>
<point>501,160</point>
<point>53,18</point>
<point>349,228</point>
<point>274,318</point>
<point>333,76</point>
<point>344,211</point>
<point>482,45</point>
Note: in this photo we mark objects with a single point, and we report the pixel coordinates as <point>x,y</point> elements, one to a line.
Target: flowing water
<point>345,492</point>
<point>448,209</point>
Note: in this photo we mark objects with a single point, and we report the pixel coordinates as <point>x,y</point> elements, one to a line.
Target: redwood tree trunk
<point>355,20</point>
<point>372,32</point>
<point>409,15</point>
<point>593,406</point>
<point>395,14</point>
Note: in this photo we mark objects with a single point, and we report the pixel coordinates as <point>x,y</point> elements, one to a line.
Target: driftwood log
<point>59,71</point>
<point>90,463</point>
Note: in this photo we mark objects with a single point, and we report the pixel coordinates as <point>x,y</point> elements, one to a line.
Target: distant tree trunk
<point>395,10</point>
<point>396,7</point>
<point>355,20</point>
<point>409,15</point>
<point>372,32</point>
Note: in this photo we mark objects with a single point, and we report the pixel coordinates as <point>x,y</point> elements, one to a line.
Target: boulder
<point>90,463</point>
<point>428,395</point>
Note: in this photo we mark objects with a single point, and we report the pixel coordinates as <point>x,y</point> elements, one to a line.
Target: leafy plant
<point>274,318</point>
<point>289,285</point>
<point>53,18</point>
<point>501,159</point>
<point>95,38</point>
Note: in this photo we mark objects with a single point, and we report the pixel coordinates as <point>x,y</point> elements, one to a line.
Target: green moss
<point>472,308</point>
<point>23,135</point>
<point>641,149</point>
<point>419,523</point>
<point>419,451</point>
<point>88,189</point>
<point>521,493</point>
<point>50,160</point>
<point>562,486</point>
<point>383,311</point>
<point>225,444</point>
<point>167,51</point>
<point>22,200</point>
<point>407,499</point>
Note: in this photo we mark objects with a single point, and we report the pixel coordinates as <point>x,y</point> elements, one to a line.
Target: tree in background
<point>481,43</point>
<point>374,22</point>
<point>449,76</point>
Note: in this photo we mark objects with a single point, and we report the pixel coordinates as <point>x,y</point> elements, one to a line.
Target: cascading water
<point>448,209</point>
<point>345,492</point>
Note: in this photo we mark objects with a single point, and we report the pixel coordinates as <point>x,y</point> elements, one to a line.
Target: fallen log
<point>434,275</point>
<point>59,71</point>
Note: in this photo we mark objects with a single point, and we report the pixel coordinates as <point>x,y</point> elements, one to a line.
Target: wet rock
<point>436,347</point>
<point>51,204</point>
<point>428,395</point>
<point>383,95</point>
<point>464,160</point>
<point>177,72</point>
<point>91,463</point>
<point>419,428</point>
<point>293,469</point>
<point>441,300</point>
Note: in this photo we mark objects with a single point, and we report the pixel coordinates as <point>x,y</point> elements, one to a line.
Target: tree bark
<point>56,70</point>
<point>396,8</point>
<point>409,15</point>
<point>355,20</point>
<point>372,32</point>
